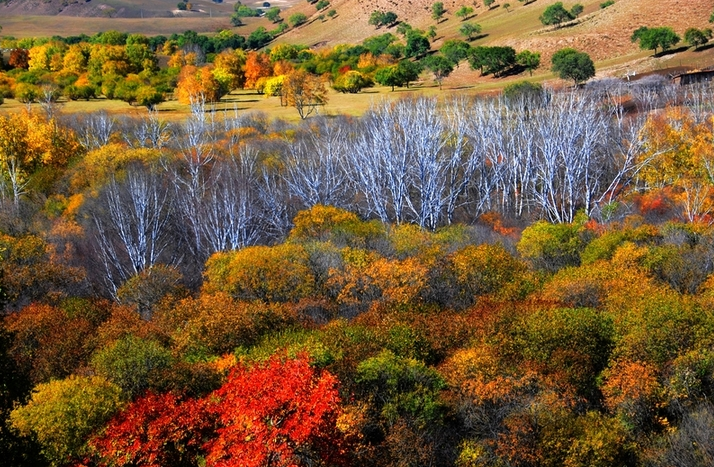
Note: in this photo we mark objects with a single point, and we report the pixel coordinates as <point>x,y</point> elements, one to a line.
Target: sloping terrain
<point>602,33</point>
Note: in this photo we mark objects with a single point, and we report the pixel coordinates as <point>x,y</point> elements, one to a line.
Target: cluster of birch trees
<point>421,160</point>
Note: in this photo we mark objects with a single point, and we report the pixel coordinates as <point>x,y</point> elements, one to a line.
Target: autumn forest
<point>514,280</point>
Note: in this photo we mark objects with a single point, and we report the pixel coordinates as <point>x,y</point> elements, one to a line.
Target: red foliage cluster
<point>156,430</point>
<point>278,414</point>
<point>281,413</point>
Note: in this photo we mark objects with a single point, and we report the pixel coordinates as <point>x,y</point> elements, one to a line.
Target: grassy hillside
<point>602,33</point>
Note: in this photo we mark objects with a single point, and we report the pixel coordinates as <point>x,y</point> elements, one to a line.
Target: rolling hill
<point>604,33</point>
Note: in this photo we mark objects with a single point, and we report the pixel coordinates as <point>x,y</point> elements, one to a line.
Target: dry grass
<point>46,26</point>
<point>33,19</point>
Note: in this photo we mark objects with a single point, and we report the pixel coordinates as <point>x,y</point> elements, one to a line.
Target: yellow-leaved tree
<point>680,161</point>
<point>304,91</point>
<point>28,142</point>
<point>228,69</point>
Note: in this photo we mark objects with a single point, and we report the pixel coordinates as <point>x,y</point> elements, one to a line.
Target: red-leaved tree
<point>278,414</point>
<point>157,430</point>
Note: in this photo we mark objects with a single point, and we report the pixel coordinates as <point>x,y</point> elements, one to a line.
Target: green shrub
<point>297,19</point>
<point>552,246</point>
<point>132,363</point>
<point>402,387</point>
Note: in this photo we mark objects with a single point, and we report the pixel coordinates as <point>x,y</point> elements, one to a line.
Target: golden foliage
<point>680,154</point>
<point>215,324</point>
<point>257,65</point>
<point>273,274</point>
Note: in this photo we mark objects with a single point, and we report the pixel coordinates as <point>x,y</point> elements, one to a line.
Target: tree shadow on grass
<point>513,71</point>
<point>475,38</point>
<point>664,53</point>
<point>704,47</point>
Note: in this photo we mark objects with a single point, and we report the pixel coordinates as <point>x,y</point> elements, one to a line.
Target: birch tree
<point>132,226</point>
<point>315,163</point>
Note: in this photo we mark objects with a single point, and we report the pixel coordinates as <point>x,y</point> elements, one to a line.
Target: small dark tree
<point>470,30</point>
<point>522,90</point>
<point>389,18</point>
<point>437,11</point>
<point>441,66</point>
<point>408,71</point>
<point>417,44</point>
<point>496,60</point>
<point>556,14</point>
<point>258,38</point>
<point>388,76</point>
<point>273,14</point>
<point>235,20</point>
<point>697,37</point>
<point>246,11</point>
<point>464,12</point>
<point>488,3</point>
<point>404,28</point>
<point>528,60</point>
<point>380,18</point>
<point>571,64</point>
<point>297,19</point>
<point>398,75</point>
<point>455,50</point>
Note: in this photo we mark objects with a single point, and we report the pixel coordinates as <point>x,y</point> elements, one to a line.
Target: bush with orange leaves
<point>367,278</point>
<point>30,270</point>
<point>215,324</point>
<point>679,153</point>
<point>633,391</point>
<point>51,342</point>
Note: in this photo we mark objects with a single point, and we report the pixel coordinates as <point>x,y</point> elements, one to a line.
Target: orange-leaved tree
<point>198,85</point>
<point>304,91</point>
<point>274,274</point>
<point>28,141</point>
<point>257,65</point>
